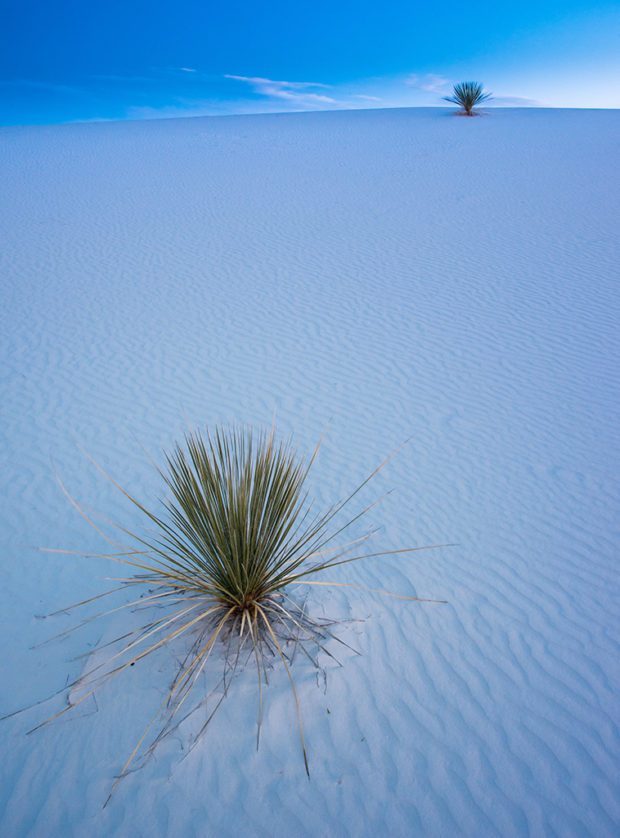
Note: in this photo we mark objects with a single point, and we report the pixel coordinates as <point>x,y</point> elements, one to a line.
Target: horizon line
<point>101,120</point>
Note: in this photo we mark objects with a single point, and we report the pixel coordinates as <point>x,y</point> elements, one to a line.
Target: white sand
<point>400,273</point>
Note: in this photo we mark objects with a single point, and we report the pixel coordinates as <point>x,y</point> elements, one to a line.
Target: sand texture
<point>400,274</point>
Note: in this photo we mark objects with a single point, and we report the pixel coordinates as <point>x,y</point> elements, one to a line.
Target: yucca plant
<point>468,94</point>
<point>235,537</point>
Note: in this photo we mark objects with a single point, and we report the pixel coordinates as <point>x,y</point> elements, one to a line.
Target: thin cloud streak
<point>429,83</point>
<point>294,92</point>
<point>258,81</point>
<point>514,102</point>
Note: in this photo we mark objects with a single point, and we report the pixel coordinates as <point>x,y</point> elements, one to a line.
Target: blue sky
<point>66,60</point>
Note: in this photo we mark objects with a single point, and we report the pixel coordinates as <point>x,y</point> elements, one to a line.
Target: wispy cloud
<point>515,102</point>
<point>429,83</point>
<point>258,81</point>
<point>439,85</point>
<point>297,93</point>
<point>175,111</point>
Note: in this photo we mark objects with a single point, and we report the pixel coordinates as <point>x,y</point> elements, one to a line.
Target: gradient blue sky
<point>66,60</point>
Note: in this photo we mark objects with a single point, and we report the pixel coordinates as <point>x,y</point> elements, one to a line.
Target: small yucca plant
<point>236,535</point>
<point>468,95</point>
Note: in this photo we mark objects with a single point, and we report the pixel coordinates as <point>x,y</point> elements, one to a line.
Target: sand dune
<point>399,274</point>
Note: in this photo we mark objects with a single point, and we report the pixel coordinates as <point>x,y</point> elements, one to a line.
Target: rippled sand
<point>401,274</point>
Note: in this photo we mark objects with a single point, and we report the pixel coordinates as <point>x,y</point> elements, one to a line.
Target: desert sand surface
<point>398,274</point>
